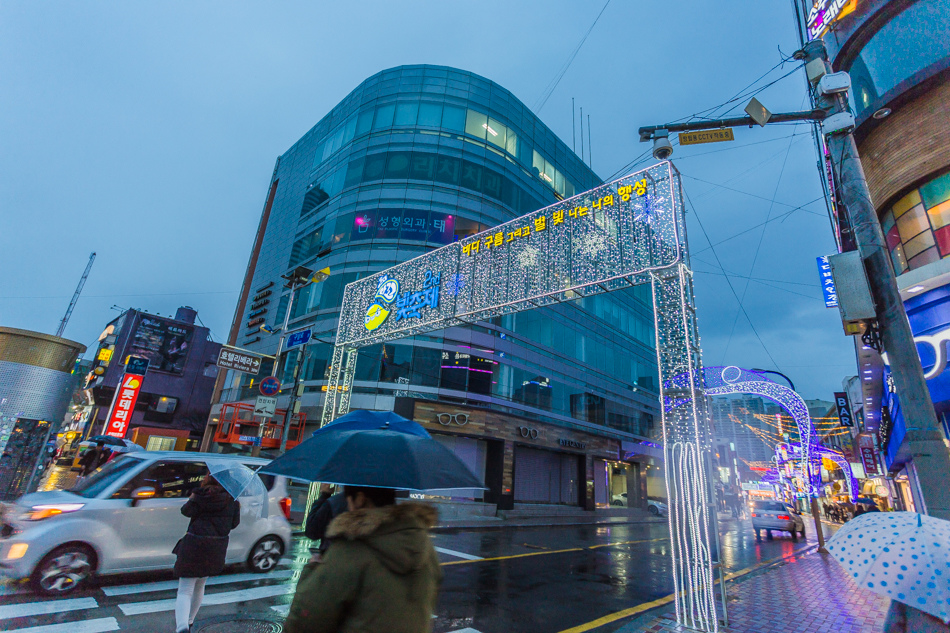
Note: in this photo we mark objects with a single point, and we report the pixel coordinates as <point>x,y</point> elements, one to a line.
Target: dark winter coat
<point>323,512</point>
<point>381,575</point>
<point>203,549</point>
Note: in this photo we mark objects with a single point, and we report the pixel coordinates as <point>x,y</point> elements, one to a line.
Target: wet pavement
<point>540,580</point>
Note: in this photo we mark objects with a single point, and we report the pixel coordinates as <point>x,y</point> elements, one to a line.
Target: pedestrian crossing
<point>148,606</point>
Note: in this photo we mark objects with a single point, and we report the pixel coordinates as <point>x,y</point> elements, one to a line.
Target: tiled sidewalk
<point>806,594</point>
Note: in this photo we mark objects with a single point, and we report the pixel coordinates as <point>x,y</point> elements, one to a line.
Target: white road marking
<point>124,590</point>
<point>99,625</point>
<point>47,607</point>
<point>468,630</point>
<point>225,597</point>
<point>282,609</point>
<point>452,552</point>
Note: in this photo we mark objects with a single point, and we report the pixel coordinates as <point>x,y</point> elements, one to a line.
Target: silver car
<point>776,516</point>
<point>126,517</point>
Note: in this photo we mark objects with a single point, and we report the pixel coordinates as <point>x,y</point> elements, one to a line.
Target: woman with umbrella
<point>381,573</point>
<point>900,555</point>
<point>214,511</point>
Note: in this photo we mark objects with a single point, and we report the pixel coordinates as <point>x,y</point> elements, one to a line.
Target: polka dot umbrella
<point>902,555</point>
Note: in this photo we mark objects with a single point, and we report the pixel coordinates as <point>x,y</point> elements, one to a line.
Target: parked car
<point>656,506</point>
<point>126,517</point>
<point>776,516</point>
<point>619,500</point>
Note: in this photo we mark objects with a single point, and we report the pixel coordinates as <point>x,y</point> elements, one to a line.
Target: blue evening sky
<point>147,132</point>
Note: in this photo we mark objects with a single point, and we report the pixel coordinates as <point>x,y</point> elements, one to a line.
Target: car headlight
<point>38,513</point>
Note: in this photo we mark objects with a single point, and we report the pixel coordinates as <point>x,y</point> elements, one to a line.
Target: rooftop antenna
<point>574,124</point>
<point>590,150</point>
<point>582,134</point>
<point>72,303</point>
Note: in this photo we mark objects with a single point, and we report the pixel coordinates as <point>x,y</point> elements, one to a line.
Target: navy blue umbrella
<point>366,420</point>
<point>380,458</point>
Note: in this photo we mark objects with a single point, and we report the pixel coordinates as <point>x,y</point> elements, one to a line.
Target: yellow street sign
<point>706,136</point>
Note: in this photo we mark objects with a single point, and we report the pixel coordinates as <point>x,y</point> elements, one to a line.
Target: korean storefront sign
<point>123,404</point>
<point>827,283</point>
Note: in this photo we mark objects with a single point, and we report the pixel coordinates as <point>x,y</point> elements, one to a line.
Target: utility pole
<point>72,303</point>
<point>924,437</point>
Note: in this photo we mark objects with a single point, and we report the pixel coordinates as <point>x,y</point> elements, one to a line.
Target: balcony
<point>239,426</point>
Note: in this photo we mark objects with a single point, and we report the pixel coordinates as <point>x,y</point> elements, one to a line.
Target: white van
<point>126,517</point>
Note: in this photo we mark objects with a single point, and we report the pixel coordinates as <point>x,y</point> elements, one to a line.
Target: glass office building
<point>413,159</point>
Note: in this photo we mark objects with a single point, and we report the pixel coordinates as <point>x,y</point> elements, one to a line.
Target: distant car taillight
<point>754,514</point>
<point>285,507</point>
<point>784,517</point>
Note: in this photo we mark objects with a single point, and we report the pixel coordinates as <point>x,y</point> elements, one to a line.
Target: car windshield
<point>101,479</point>
<point>773,506</point>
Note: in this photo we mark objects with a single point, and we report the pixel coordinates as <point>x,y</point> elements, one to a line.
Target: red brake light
<point>784,517</point>
<point>754,514</point>
<point>285,507</point>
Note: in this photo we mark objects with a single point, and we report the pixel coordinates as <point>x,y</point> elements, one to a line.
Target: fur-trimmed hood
<point>397,535</point>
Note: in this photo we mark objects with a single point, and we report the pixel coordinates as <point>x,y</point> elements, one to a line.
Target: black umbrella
<point>108,440</point>
<point>379,458</point>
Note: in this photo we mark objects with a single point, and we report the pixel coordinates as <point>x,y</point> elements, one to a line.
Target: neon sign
<point>824,12</point>
<point>938,343</point>
<point>407,304</point>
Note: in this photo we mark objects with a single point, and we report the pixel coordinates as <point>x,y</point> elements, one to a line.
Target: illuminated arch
<point>726,380</point>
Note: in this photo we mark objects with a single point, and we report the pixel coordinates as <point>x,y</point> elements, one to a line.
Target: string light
<point>624,233</point>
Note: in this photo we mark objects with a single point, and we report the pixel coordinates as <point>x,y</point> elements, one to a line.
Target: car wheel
<point>265,554</point>
<point>655,511</point>
<point>615,503</point>
<point>793,534</point>
<point>63,570</point>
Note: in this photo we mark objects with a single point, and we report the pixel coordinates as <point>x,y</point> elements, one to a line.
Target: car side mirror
<point>140,494</point>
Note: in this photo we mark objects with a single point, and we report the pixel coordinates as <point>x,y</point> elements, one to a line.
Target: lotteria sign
<point>124,404</point>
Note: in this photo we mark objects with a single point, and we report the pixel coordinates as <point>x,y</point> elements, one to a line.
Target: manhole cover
<point>245,625</point>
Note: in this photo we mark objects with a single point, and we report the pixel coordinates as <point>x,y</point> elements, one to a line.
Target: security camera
<point>662,149</point>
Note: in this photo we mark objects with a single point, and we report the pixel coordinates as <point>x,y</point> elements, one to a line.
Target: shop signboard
<point>869,459</point>
<point>239,360</point>
<point>843,407</point>
<point>827,282</point>
<point>123,404</point>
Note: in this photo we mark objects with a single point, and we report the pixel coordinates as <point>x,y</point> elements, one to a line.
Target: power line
<point>154,294</point>
<point>570,60</point>
<point>729,281</point>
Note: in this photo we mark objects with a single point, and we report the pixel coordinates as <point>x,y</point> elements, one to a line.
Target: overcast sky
<point>148,131</point>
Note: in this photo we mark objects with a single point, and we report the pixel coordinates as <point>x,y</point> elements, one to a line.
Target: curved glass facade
<point>900,50</point>
<point>414,158</point>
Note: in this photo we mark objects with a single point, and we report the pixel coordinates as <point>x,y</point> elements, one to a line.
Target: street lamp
<point>298,278</point>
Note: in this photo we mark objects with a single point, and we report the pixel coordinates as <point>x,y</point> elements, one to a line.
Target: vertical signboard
<point>124,403</point>
<point>828,290</point>
<point>843,407</point>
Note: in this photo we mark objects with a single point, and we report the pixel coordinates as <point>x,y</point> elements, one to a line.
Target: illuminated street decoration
<point>621,234</point>
<point>719,381</point>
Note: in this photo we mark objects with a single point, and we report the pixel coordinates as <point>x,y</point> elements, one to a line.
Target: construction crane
<point>72,304</point>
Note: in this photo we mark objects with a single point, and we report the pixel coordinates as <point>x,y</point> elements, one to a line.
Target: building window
<point>917,226</point>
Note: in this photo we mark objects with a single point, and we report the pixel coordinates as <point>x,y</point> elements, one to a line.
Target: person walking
<point>201,552</point>
<point>902,618</point>
<point>90,459</point>
<point>327,507</point>
<point>380,574</point>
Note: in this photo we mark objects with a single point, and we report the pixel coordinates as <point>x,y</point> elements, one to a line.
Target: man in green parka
<point>380,574</point>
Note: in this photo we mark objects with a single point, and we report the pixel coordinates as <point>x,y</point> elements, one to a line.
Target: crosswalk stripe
<point>99,625</point>
<point>282,609</point>
<point>124,590</point>
<point>466,630</point>
<point>452,552</point>
<point>224,597</point>
<point>28,609</point>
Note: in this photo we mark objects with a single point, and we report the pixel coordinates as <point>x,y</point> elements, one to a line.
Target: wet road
<point>539,579</point>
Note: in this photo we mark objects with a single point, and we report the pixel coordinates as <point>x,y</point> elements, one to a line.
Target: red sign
<point>123,404</point>
<point>869,458</point>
